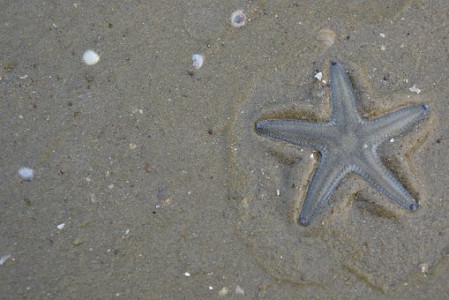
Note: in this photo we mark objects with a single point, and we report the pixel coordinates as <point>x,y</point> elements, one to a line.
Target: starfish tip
<point>304,221</point>
<point>414,206</point>
<point>259,126</point>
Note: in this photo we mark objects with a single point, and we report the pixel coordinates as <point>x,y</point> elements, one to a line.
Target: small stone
<point>76,242</point>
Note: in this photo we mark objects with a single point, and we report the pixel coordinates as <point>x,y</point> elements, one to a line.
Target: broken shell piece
<point>197,60</point>
<point>26,173</point>
<point>414,89</point>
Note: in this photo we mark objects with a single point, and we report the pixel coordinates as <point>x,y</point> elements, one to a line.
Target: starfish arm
<point>395,123</point>
<point>327,177</point>
<point>344,107</point>
<point>383,180</point>
<point>297,132</point>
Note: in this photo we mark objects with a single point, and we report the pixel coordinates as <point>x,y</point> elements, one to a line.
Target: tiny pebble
<point>61,226</point>
<point>319,76</point>
<point>187,274</point>
<point>424,268</point>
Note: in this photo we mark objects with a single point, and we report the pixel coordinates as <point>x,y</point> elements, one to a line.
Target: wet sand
<point>163,187</point>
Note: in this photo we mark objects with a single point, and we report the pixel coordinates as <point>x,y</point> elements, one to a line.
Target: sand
<point>165,190</point>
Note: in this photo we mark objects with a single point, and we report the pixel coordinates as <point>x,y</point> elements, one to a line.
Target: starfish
<point>346,143</point>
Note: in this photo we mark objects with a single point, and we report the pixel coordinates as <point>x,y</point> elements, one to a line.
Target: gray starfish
<point>347,143</point>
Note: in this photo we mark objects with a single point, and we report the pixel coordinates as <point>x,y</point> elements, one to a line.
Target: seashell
<point>90,57</point>
<point>238,18</point>
<point>197,60</point>
<point>26,173</point>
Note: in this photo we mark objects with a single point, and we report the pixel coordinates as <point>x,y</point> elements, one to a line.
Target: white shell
<point>238,18</point>
<point>197,60</point>
<point>414,89</point>
<point>90,57</point>
<point>26,173</point>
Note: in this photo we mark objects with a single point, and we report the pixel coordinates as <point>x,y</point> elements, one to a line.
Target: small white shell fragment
<point>197,60</point>
<point>414,89</point>
<point>382,35</point>
<point>61,226</point>
<point>383,48</point>
<point>278,192</point>
<point>223,292</point>
<point>4,258</point>
<point>187,274</point>
<point>392,140</point>
<point>26,173</point>
<point>239,290</point>
<point>90,57</point>
<point>238,18</point>
<point>423,267</point>
<point>319,76</point>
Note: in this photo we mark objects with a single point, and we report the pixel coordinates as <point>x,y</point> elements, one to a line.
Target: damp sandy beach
<point>142,175</point>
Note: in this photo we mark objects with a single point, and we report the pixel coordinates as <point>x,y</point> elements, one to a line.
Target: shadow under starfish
<point>347,143</point>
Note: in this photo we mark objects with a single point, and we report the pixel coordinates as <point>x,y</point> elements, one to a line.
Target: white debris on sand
<point>26,173</point>
<point>90,57</point>
<point>238,18</point>
<point>61,226</point>
<point>319,76</point>
<point>239,291</point>
<point>223,292</point>
<point>197,60</point>
<point>424,268</point>
<point>414,89</point>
